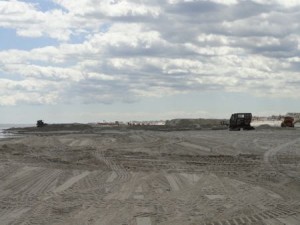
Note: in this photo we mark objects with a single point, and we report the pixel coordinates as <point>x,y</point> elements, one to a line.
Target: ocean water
<point>6,126</point>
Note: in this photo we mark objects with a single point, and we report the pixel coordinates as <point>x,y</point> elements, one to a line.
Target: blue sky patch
<point>10,40</point>
<point>44,5</point>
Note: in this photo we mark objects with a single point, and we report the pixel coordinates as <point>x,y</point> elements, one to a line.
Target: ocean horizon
<point>7,126</point>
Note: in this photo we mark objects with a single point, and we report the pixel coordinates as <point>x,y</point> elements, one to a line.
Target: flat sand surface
<point>136,177</point>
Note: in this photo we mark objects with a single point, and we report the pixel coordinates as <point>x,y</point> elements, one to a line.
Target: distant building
<point>147,123</point>
<point>108,124</point>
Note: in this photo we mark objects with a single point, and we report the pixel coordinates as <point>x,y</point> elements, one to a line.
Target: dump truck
<point>40,123</point>
<point>288,121</point>
<point>240,121</point>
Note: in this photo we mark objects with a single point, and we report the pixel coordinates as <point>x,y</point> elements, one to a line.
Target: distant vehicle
<point>288,121</point>
<point>40,123</point>
<point>240,121</point>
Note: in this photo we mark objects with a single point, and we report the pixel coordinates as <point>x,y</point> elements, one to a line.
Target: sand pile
<point>195,123</point>
<point>52,127</point>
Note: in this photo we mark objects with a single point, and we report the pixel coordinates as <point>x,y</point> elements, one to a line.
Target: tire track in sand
<point>271,160</point>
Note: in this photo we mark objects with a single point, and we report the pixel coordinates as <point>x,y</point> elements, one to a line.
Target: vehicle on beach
<point>288,121</point>
<point>240,121</point>
<point>40,123</point>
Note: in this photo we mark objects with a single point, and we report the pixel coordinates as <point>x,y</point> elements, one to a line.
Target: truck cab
<point>288,121</point>
<point>240,121</point>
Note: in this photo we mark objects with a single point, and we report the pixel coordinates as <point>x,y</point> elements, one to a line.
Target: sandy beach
<point>139,177</point>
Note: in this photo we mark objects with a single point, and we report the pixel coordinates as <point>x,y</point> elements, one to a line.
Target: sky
<point>108,60</point>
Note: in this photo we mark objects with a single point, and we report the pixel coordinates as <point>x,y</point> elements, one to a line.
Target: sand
<point>143,177</point>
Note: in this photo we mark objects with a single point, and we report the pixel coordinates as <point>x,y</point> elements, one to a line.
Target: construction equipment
<point>240,121</point>
<point>40,123</point>
<point>288,121</point>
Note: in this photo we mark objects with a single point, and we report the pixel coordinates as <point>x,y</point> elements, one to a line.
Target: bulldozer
<point>240,121</point>
<point>40,123</point>
<point>288,121</point>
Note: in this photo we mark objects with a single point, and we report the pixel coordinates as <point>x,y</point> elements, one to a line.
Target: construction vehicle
<point>288,121</point>
<point>40,123</point>
<point>240,121</point>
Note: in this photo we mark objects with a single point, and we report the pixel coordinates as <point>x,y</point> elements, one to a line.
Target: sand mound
<point>267,127</point>
<point>51,127</point>
<point>264,126</point>
<point>196,123</point>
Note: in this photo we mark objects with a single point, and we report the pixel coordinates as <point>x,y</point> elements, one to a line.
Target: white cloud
<point>29,22</point>
<point>133,49</point>
<point>286,3</point>
<point>28,91</point>
<point>108,8</point>
<point>226,2</point>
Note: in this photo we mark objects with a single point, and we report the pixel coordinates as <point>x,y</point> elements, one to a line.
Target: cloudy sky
<point>95,60</point>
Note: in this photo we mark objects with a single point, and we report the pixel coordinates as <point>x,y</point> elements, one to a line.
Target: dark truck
<point>288,121</point>
<point>240,121</point>
<point>40,123</point>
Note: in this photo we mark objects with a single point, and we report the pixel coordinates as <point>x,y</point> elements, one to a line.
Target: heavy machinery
<point>288,121</point>
<point>240,121</point>
<point>40,123</point>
